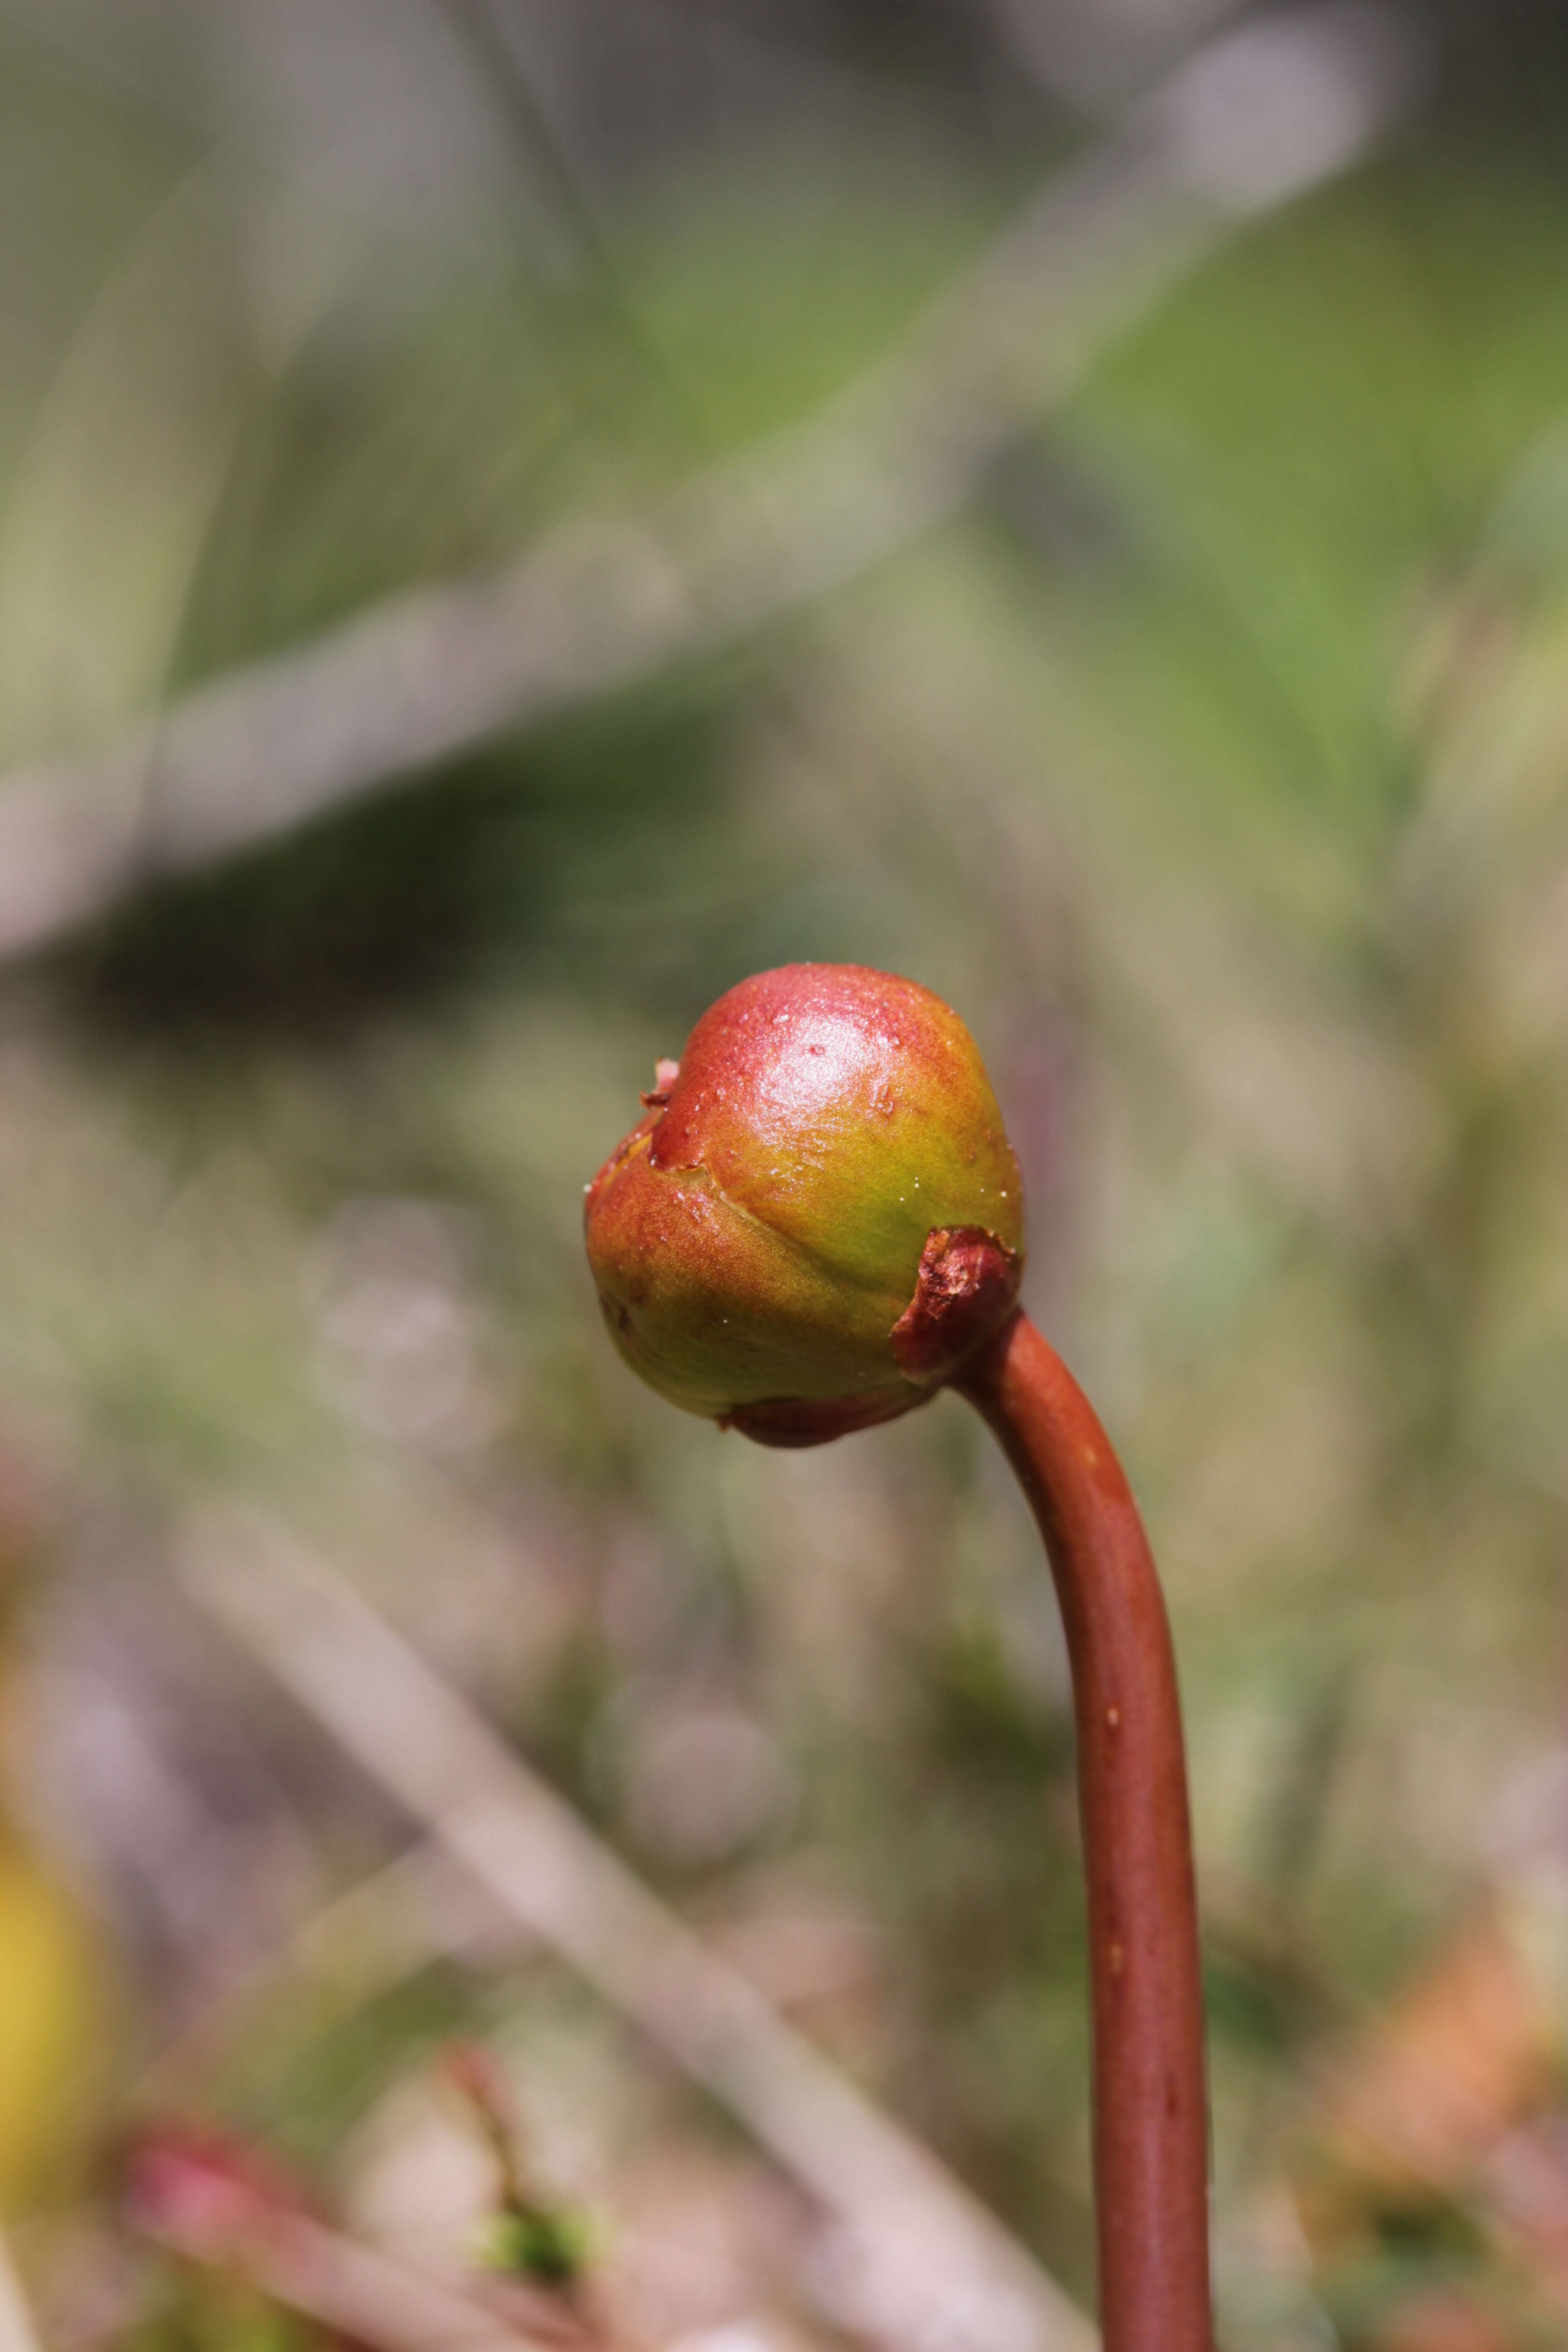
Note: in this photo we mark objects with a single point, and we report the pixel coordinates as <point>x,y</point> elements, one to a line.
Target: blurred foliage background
<point>1211,755</point>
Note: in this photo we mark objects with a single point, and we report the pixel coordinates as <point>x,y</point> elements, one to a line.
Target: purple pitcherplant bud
<point>819,1216</point>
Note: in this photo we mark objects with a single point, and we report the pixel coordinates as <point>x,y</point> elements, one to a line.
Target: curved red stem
<point>1150,2122</point>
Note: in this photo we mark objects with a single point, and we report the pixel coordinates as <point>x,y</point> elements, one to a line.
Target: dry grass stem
<point>922,2261</point>
<point>1253,119</point>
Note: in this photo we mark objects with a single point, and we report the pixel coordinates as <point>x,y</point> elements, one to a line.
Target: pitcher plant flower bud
<point>819,1217</point>
<point>817,1223</point>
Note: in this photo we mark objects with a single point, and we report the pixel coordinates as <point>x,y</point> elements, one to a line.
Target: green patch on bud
<point>819,1216</point>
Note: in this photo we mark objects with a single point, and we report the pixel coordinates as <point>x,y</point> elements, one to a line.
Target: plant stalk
<point>1150,2115</point>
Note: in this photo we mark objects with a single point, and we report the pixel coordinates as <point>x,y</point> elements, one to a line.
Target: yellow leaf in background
<point>50,2027</point>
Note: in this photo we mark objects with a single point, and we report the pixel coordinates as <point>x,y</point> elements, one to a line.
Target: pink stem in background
<point>1150,2117</point>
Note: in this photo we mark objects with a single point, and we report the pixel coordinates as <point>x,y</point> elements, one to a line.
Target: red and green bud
<point>819,1217</point>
